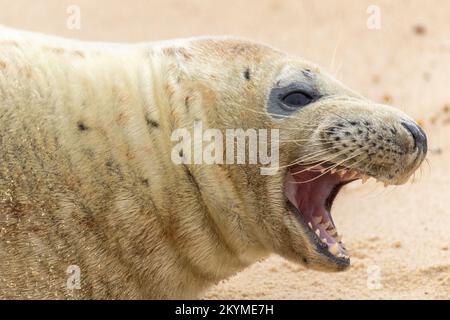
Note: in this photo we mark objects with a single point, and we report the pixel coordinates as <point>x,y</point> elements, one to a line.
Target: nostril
<point>420,138</point>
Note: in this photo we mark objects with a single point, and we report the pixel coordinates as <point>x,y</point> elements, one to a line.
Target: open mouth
<point>310,192</point>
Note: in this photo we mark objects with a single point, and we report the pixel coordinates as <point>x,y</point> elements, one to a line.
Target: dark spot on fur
<point>109,163</point>
<point>347,133</point>
<point>145,182</point>
<point>113,167</point>
<point>89,153</point>
<point>187,102</point>
<point>305,261</point>
<point>150,122</point>
<point>360,131</point>
<point>337,138</point>
<point>78,53</point>
<point>181,153</point>
<point>81,126</point>
<point>353,123</point>
<point>169,51</point>
<point>247,74</point>
<point>308,74</point>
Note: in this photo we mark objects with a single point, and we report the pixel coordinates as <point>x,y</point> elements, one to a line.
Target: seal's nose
<point>420,138</point>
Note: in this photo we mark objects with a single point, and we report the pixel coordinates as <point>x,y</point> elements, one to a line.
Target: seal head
<point>329,137</point>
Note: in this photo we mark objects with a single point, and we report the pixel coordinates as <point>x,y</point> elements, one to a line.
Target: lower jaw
<point>310,196</point>
<point>328,261</point>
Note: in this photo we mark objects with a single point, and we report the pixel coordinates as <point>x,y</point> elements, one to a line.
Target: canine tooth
<point>323,170</point>
<point>332,232</point>
<point>325,225</point>
<point>333,171</point>
<point>317,219</point>
<point>341,255</point>
<point>364,178</point>
<point>334,249</point>
<point>342,172</point>
<point>310,225</point>
<point>386,184</point>
<point>324,240</point>
<point>318,233</point>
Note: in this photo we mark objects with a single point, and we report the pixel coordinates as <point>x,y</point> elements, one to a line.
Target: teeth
<point>332,232</point>
<point>342,172</point>
<point>323,170</point>
<point>386,184</point>
<point>310,225</point>
<point>364,178</point>
<point>333,171</point>
<point>341,255</point>
<point>325,225</point>
<point>318,233</point>
<point>353,174</point>
<point>324,240</point>
<point>317,219</point>
<point>334,249</point>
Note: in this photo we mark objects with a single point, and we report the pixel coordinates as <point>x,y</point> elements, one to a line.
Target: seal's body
<point>87,182</point>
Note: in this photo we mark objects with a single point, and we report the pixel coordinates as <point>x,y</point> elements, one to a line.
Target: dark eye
<point>297,99</point>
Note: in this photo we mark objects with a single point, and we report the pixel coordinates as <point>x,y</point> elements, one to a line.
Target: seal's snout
<point>419,136</point>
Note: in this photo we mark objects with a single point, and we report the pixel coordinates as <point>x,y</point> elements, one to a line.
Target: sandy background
<point>403,233</point>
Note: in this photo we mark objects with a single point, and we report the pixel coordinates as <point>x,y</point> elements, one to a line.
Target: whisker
<point>333,156</point>
<point>300,140</point>
<point>326,171</point>
<point>312,155</point>
<point>304,158</point>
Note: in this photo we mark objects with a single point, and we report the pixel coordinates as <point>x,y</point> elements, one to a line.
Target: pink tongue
<point>308,191</point>
<point>311,190</point>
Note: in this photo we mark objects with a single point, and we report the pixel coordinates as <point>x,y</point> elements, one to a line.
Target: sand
<point>398,235</point>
